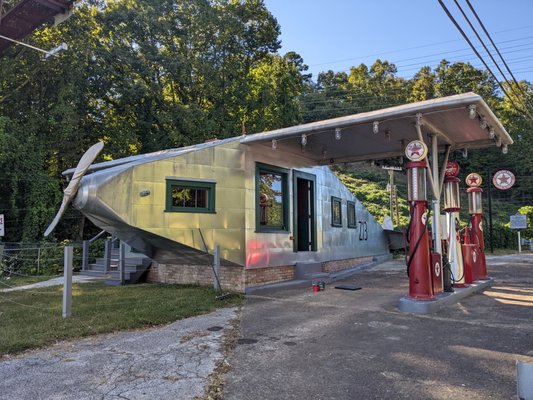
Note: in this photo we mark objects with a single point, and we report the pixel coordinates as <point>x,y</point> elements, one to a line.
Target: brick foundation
<point>235,278</point>
<point>339,265</point>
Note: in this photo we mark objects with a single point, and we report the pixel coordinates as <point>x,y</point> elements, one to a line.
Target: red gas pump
<point>419,266</point>
<point>476,225</point>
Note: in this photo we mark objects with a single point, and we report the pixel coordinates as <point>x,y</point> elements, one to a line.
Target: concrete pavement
<point>170,362</point>
<point>336,344</point>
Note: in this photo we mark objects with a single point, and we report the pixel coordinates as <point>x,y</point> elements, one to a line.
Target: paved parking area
<point>336,344</point>
<point>296,344</point>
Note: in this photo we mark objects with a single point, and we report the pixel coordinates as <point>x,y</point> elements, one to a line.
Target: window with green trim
<point>350,210</point>
<point>336,211</point>
<point>272,203</point>
<point>190,196</point>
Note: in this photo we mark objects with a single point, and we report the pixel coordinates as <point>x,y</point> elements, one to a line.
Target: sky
<point>337,34</point>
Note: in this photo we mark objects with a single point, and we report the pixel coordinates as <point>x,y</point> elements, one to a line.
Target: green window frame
<point>336,211</point>
<point>350,211</point>
<point>190,196</point>
<point>271,198</point>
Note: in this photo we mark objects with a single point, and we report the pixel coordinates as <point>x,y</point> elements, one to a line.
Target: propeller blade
<point>58,216</point>
<point>72,188</point>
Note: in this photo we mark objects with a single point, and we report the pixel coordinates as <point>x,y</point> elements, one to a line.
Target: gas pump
<point>476,225</point>
<point>424,272</point>
<point>452,205</point>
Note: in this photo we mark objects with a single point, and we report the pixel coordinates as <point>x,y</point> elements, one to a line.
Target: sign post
<point>518,221</point>
<point>2,230</point>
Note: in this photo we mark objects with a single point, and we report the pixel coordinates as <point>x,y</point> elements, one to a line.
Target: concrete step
<point>89,272</point>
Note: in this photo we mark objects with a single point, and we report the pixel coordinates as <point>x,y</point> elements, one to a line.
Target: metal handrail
<point>97,236</point>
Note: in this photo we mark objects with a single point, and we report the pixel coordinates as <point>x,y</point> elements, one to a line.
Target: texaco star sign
<point>474,180</point>
<point>503,179</point>
<point>416,150</point>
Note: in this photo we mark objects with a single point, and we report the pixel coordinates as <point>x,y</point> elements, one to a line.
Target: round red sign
<point>416,150</point>
<point>503,179</point>
<point>452,169</point>
<point>474,180</point>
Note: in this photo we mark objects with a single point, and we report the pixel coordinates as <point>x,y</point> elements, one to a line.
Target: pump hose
<point>407,238</point>
<point>428,214</point>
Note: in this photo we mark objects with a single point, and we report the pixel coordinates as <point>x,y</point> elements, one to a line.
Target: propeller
<point>72,188</point>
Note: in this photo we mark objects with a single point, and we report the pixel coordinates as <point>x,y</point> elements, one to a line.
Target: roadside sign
<point>503,179</point>
<point>518,221</point>
<point>2,232</point>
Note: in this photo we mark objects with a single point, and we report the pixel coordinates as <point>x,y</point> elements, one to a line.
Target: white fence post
<point>67,284</point>
<point>122,263</point>
<point>216,267</point>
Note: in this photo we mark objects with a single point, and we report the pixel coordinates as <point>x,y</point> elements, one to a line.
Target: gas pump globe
<point>419,266</point>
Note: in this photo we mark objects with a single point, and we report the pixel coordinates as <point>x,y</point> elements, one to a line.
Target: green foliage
<point>373,195</point>
<point>141,76</point>
<point>153,74</point>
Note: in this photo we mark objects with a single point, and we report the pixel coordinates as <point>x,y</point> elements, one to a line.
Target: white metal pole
<point>67,284</point>
<point>519,242</point>
<point>122,263</point>
<point>436,194</point>
<point>216,267</point>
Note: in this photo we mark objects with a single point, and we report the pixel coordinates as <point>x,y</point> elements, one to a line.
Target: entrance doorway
<point>304,212</point>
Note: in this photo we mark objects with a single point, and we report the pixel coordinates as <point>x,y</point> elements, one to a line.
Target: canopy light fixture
<point>375,127</point>
<point>274,144</point>
<point>304,139</point>
<point>338,134</point>
<point>465,153</point>
<point>492,134</point>
<point>472,111</point>
<point>504,149</point>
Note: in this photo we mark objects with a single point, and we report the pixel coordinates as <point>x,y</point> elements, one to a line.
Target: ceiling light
<point>472,111</point>
<point>375,127</point>
<point>274,144</point>
<point>338,134</point>
<point>304,139</point>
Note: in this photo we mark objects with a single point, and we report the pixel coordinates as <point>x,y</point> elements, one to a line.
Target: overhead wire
<point>454,21</point>
<point>496,48</point>
<point>511,87</point>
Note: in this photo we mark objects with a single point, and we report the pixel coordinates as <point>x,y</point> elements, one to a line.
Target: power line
<point>492,58</point>
<point>409,48</point>
<point>450,16</point>
<point>496,48</point>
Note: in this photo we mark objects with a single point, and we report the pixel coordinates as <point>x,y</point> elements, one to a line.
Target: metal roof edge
<point>150,157</point>
<point>401,111</point>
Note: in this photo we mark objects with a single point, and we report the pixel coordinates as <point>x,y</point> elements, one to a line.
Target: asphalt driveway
<point>337,344</point>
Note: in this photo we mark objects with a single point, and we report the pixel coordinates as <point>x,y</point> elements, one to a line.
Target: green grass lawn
<point>33,318</point>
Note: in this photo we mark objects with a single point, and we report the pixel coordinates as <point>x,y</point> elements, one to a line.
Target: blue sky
<point>337,34</point>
